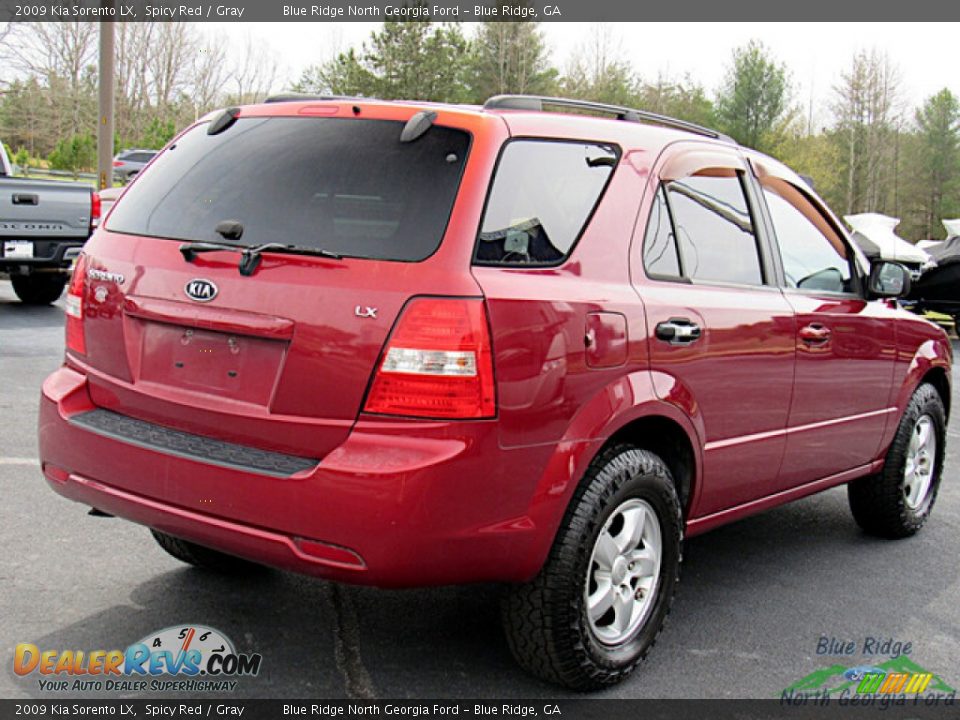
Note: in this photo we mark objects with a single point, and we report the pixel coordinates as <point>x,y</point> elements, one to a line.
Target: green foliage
<point>509,58</point>
<point>343,75</point>
<point>754,96</point>
<point>158,133</point>
<point>77,153</point>
<point>939,124</point>
<point>815,156</point>
<point>21,158</point>
<point>684,100</point>
<point>612,82</point>
<point>867,135</point>
<point>411,60</point>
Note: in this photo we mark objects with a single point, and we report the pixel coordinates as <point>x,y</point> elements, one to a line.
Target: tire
<point>39,289</point>
<point>896,502</point>
<point>204,557</point>
<point>548,624</point>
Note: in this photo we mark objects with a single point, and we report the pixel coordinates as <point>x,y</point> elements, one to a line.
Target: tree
<point>685,100</point>
<point>596,71</point>
<point>252,80</point>
<point>934,165</point>
<point>509,57</point>
<point>75,154</point>
<point>343,74</point>
<point>408,59</point>
<point>867,125</point>
<point>754,96</point>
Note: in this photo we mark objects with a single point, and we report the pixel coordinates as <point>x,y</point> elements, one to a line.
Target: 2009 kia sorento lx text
<point>405,344</point>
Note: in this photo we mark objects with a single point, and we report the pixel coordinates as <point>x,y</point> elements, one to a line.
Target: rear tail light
<point>76,340</point>
<point>438,363</point>
<point>117,163</point>
<point>96,207</point>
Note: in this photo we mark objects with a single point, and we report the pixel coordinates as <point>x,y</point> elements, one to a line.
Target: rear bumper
<point>48,254</point>
<point>398,504</point>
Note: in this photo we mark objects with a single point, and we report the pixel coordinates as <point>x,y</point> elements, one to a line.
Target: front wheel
<point>897,501</point>
<point>40,288</point>
<point>600,601</point>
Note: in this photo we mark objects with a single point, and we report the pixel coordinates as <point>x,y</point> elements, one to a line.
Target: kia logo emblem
<point>201,290</point>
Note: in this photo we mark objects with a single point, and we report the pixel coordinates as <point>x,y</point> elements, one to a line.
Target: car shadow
<point>773,578</point>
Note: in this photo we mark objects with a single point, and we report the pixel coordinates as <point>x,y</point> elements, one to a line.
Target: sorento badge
<point>201,290</point>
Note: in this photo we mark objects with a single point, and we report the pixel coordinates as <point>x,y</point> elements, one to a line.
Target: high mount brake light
<point>438,362</point>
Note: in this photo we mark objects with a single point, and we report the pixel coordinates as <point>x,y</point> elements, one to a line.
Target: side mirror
<point>888,280</point>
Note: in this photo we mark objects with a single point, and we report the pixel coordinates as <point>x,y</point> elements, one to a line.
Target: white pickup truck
<point>43,226</point>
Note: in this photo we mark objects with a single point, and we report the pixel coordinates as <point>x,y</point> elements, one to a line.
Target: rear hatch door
<point>281,358</point>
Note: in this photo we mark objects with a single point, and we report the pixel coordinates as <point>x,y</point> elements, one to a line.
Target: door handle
<point>815,334</point>
<point>678,331</point>
<point>25,199</point>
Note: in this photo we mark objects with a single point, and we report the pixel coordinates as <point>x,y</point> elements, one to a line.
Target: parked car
<point>107,199</point>
<point>43,226</point>
<point>401,344</point>
<point>129,163</point>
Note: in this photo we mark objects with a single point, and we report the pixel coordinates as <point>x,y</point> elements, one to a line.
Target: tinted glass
<point>715,230</point>
<point>542,196</point>
<point>344,185</point>
<point>814,256</point>
<point>659,245</point>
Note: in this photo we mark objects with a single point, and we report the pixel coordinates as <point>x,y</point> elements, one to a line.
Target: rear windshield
<point>344,185</point>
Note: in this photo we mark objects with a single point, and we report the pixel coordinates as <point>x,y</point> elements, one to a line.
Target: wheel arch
<point>938,377</point>
<point>626,411</point>
<point>667,439</point>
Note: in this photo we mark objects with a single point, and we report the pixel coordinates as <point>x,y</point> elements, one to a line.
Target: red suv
<point>405,344</point>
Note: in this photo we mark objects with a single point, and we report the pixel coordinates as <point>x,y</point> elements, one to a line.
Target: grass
<point>39,175</point>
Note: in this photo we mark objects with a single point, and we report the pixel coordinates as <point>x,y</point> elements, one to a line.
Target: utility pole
<point>105,124</point>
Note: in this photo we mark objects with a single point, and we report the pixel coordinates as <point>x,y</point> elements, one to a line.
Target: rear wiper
<point>250,255</point>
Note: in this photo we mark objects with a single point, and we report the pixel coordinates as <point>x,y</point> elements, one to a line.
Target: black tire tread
<point>877,501</point>
<point>526,617</point>
<point>38,289</point>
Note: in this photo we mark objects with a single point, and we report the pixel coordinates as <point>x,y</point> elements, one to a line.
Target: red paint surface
<point>413,502</point>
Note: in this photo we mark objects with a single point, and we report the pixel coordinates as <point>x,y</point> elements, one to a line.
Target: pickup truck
<point>43,226</point>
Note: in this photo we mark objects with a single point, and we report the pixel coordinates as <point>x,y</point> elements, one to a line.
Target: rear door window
<point>542,197</point>
<point>660,254</point>
<point>701,229</point>
<point>348,186</point>
<point>714,229</point>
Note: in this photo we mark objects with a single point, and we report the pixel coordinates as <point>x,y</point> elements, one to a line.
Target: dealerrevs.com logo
<point>179,658</point>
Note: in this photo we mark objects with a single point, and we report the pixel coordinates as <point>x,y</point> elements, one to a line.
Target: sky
<point>815,53</point>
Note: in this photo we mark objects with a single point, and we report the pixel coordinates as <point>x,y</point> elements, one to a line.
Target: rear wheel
<point>203,557</point>
<point>599,604</point>
<point>897,501</point>
<point>40,288</point>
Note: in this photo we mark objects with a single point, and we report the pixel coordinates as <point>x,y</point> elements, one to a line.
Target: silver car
<point>129,162</point>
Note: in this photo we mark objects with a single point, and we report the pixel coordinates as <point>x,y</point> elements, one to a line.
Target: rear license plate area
<point>234,366</point>
<point>18,249</point>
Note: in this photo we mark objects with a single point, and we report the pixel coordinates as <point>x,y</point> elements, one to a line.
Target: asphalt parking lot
<point>754,600</point>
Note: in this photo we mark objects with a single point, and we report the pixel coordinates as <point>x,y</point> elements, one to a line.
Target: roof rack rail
<point>539,103</point>
<point>303,97</point>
